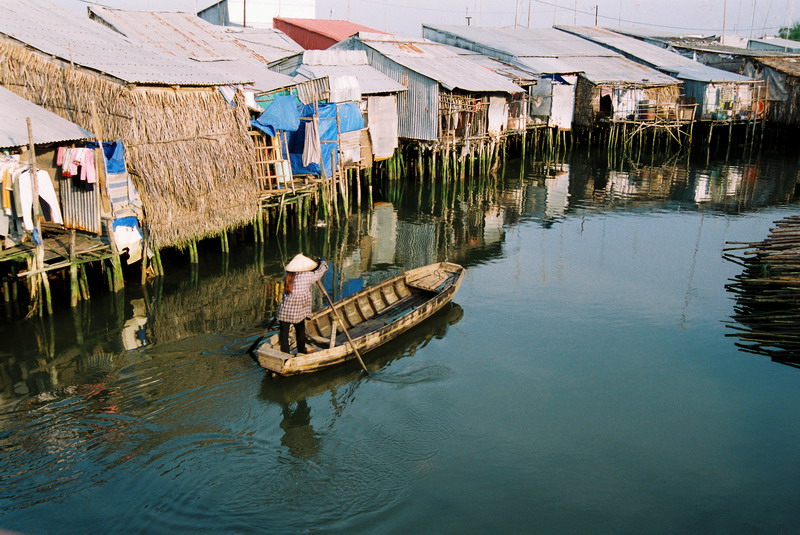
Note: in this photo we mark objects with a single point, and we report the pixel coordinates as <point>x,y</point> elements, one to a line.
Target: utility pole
<point>724,20</point>
<point>244,14</point>
<point>529,13</point>
<point>467,16</point>
<point>596,9</point>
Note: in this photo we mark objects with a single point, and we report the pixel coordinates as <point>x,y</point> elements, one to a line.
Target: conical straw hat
<point>301,263</point>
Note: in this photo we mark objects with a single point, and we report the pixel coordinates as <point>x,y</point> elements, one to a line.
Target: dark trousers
<point>299,334</point>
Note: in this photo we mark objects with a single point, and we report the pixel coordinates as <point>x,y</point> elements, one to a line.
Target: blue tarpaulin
<point>282,114</point>
<point>349,119</point>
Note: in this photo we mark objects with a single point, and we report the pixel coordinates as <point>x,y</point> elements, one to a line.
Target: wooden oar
<point>255,344</point>
<point>344,327</point>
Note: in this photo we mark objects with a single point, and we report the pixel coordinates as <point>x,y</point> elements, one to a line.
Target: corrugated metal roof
<point>346,63</point>
<point>270,43</point>
<point>189,37</point>
<point>335,57</point>
<point>45,26</point>
<point>439,63</point>
<point>777,43</point>
<point>371,81</point>
<point>529,42</point>
<point>547,50</point>
<point>333,29</point>
<point>706,45</point>
<point>47,127</point>
<point>654,56</point>
<point>616,70</point>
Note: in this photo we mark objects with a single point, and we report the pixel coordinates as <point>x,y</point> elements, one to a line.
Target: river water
<point>587,378</point>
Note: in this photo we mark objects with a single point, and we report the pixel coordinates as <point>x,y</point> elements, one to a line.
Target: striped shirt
<point>296,306</point>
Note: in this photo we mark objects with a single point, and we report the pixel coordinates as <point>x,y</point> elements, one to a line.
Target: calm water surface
<point>586,378</point>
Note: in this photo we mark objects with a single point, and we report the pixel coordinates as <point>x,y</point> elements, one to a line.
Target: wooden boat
<point>372,317</point>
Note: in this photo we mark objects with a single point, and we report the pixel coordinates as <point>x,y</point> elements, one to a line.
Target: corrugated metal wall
<point>418,108</point>
<point>80,206</point>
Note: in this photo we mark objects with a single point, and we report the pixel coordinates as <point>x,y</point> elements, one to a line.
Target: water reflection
<point>460,220</point>
<point>581,183</point>
<point>341,383</point>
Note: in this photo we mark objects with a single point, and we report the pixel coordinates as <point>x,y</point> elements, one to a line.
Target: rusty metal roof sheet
<point>333,29</point>
<point>55,31</point>
<point>438,62</point>
<point>232,52</point>
<point>47,127</point>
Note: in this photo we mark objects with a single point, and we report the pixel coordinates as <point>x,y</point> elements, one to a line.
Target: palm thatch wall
<point>188,150</point>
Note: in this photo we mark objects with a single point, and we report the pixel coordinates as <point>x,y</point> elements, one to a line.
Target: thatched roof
<point>188,150</point>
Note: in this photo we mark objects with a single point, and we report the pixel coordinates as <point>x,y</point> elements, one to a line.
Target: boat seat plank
<point>386,316</point>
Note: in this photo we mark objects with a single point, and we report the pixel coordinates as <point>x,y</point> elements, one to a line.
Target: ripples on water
<point>142,413</point>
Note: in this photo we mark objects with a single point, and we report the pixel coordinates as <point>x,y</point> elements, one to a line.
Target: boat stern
<point>273,359</point>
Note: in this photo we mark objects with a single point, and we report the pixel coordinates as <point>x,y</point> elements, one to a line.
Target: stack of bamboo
<point>767,310</point>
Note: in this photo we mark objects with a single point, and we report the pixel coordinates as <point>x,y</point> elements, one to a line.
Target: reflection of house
<point>417,243</point>
<point>383,229</point>
<point>557,200</point>
<point>609,86</point>
<point>718,184</point>
<point>718,94</point>
<point>449,99</point>
<point>493,229</point>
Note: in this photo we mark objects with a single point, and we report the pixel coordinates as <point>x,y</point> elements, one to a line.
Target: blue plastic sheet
<point>114,152</point>
<point>282,114</point>
<point>349,119</point>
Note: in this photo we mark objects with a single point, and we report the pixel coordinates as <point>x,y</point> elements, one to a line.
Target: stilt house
<point>345,75</point>
<point>450,102</point>
<point>608,86</point>
<point>716,94</point>
<point>188,151</point>
<point>49,132</point>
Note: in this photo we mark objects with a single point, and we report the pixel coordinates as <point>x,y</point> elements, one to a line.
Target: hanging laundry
<point>128,237</point>
<point>23,196</point>
<point>125,200</point>
<point>312,151</point>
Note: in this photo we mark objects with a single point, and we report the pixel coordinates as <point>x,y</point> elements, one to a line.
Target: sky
<point>747,18</point>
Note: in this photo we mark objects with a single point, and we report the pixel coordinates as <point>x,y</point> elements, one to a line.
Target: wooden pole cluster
<point>767,311</point>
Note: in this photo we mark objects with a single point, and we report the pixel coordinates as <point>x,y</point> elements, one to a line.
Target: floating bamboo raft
<point>767,310</point>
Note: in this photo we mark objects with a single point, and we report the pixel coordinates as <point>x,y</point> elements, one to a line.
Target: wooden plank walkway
<point>88,248</point>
